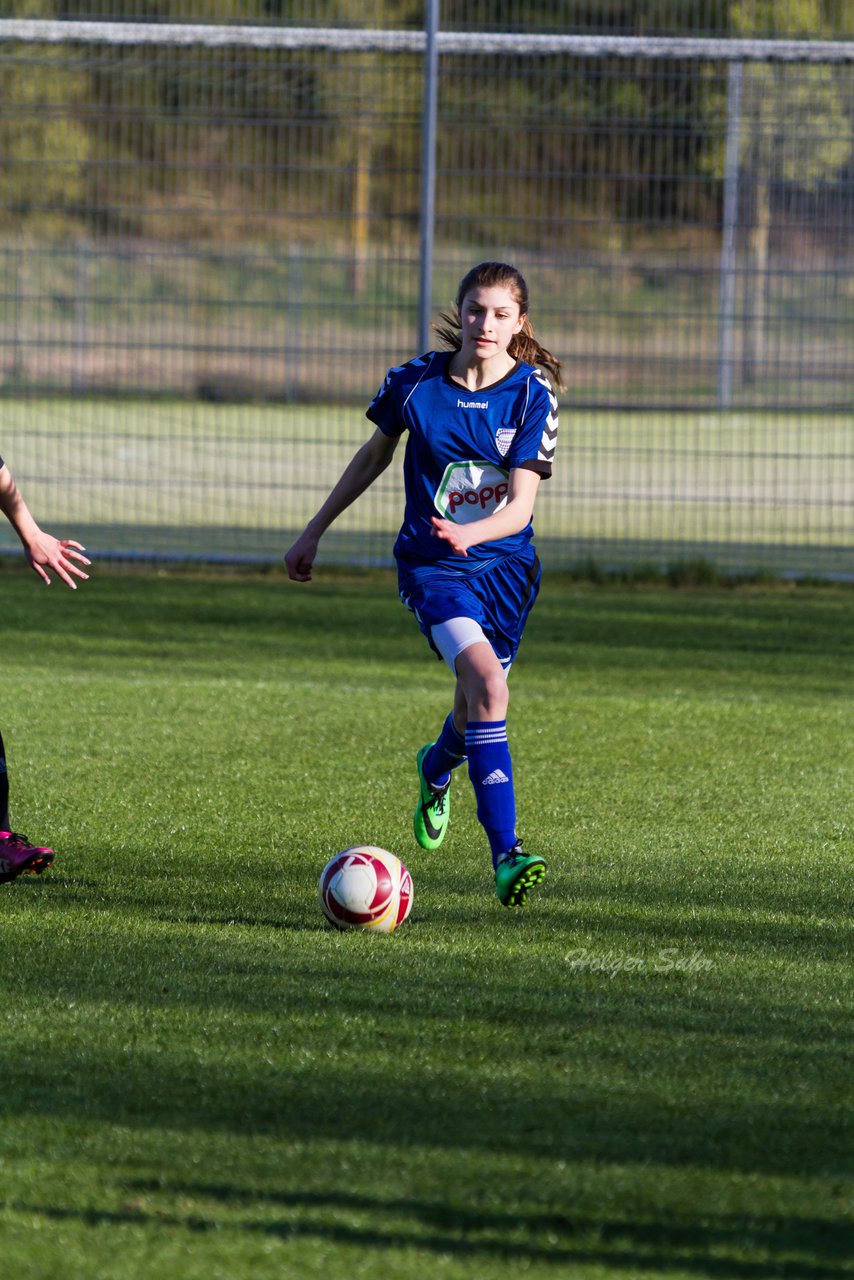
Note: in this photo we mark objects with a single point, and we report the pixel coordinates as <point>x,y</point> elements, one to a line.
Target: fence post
<point>80,312</point>
<point>428,173</point>
<point>728,268</point>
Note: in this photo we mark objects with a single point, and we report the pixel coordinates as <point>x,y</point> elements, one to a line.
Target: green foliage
<point>785,19</point>
<point>205,144</point>
<point>622,17</point>
<point>44,147</point>
<point>795,125</point>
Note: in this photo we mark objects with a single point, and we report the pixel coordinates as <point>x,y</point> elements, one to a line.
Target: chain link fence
<point>218,229</point>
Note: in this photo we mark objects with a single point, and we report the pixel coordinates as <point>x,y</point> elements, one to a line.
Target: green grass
<point>747,491</point>
<point>644,1073</point>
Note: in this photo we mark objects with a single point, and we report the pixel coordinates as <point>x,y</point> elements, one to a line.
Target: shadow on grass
<point>802,1248</point>
<point>634,912</point>
<point>361,618</point>
<point>583,1103</point>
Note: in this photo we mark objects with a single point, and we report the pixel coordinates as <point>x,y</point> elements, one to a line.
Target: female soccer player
<point>482,422</point>
<point>44,553</point>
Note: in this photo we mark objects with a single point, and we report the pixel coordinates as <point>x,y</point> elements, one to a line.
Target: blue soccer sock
<point>491,773</point>
<point>447,753</point>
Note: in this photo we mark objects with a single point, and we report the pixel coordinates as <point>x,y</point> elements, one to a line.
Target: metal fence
<point>214,239</point>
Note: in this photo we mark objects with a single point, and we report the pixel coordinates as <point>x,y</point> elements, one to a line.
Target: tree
<point>371,125</point>
<point>43,146</point>
<point>794,129</point>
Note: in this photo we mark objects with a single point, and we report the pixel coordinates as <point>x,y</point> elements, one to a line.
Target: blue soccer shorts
<point>498,597</point>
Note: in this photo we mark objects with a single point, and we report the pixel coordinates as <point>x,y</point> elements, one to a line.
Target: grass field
<point>746,491</point>
<point>645,1073</point>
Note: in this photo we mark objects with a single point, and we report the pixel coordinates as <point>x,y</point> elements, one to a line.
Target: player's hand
<point>454,534</point>
<point>61,555</point>
<point>300,558</point>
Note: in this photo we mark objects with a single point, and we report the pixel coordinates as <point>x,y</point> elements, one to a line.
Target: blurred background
<point>221,223</point>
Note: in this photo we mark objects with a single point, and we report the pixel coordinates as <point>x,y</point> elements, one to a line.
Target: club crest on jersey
<point>471,491</point>
<point>504,439</point>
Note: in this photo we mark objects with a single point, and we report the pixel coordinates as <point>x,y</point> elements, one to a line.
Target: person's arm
<point>42,550</point>
<point>514,516</point>
<point>362,470</point>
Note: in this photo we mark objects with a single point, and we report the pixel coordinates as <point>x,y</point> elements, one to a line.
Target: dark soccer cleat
<point>516,873</point>
<point>434,808</point>
<point>18,857</point>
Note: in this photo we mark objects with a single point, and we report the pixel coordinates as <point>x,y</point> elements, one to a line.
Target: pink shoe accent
<point>19,857</point>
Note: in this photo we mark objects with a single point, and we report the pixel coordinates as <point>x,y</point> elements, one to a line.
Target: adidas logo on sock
<point>497,775</point>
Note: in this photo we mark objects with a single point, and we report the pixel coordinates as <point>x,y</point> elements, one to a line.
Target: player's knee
<point>492,693</point>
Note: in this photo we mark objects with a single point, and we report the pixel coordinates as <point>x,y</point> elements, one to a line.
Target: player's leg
<point>483,679</point>
<point>4,789</point>
<point>435,763</point>
<point>437,760</point>
<point>17,855</point>
<point>448,752</point>
<point>484,688</point>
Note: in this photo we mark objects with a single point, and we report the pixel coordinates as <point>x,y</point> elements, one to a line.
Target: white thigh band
<point>451,637</point>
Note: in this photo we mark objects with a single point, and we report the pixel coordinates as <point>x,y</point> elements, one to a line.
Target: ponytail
<point>525,346</point>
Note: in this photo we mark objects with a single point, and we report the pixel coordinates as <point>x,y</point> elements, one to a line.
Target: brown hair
<point>524,346</point>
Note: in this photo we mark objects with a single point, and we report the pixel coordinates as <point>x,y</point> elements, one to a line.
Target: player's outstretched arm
<point>362,470</point>
<point>44,552</point>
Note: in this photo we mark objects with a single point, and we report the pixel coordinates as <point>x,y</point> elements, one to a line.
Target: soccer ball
<point>365,888</point>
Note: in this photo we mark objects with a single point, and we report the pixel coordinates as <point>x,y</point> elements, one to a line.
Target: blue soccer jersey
<point>461,449</point>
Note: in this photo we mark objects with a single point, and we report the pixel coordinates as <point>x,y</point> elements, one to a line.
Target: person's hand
<point>59,554</point>
<point>454,534</point>
<point>300,558</point>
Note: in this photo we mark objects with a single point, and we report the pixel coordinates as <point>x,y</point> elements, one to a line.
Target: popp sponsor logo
<point>470,491</point>
<point>488,496</point>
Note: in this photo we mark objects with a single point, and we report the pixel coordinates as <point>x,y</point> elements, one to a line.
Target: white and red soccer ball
<point>365,888</point>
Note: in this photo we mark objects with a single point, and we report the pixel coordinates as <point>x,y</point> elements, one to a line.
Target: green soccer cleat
<point>516,873</point>
<point>434,808</point>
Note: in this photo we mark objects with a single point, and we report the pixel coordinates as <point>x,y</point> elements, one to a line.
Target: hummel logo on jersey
<point>497,775</point>
<point>472,404</point>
